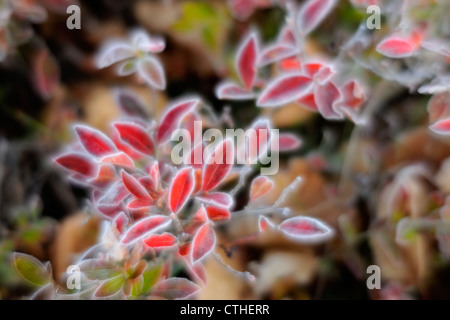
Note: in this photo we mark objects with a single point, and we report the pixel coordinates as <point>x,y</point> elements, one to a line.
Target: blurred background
<point>363,182</point>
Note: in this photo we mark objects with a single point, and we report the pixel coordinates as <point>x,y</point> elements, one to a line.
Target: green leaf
<point>151,275</point>
<point>31,269</point>
<point>110,287</point>
<point>98,270</point>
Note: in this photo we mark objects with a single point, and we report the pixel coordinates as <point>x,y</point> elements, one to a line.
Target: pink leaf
<point>182,186</point>
<point>284,89</point>
<point>121,221</point>
<point>327,97</point>
<point>441,127</point>
<point>217,198</point>
<point>46,74</point>
<point>287,37</point>
<point>260,186</point>
<point>306,229</point>
<point>312,13</point>
<point>218,165</point>
<point>113,52</point>
<point>246,61</point>
<point>217,213</point>
<point>288,142</point>
<point>264,224</point>
<point>119,159</point>
<point>241,9</point>
<point>144,42</point>
<point>175,289</point>
<point>116,193</point>
<point>131,104</point>
<point>276,52</point>
<point>203,243</point>
<point>198,271</point>
<point>171,120</point>
<point>144,227</point>
<point>231,91</point>
<point>134,186</point>
<point>79,163</point>
<point>439,106</point>
<point>291,65</point>
<point>151,70</point>
<point>110,211</point>
<point>157,241</point>
<point>135,136</point>
<point>94,141</point>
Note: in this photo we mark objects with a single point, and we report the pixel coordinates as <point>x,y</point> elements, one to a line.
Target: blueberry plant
<point>158,214</point>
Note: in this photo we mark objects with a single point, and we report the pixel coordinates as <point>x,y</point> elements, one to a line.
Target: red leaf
<point>182,186</point>
<point>203,243</point>
<point>196,163</point>
<point>125,147</point>
<point>312,13</point>
<point>151,70</point>
<point>217,198</point>
<point>288,142</point>
<point>291,64</point>
<point>276,52</point>
<point>76,162</point>
<point>400,46</point>
<point>231,91</point>
<point>306,229</point>
<point>260,186</point>
<point>218,165</point>
<point>327,97</point>
<point>171,120</point>
<point>218,213</point>
<point>441,127</point>
<point>312,68</point>
<point>264,224</point>
<point>134,186</point>
<point>139,206</point>
<point>120,159</point>
<point>308,102</point>
<point>175,289</point>
<point>106,174</point>
<point>198,220</point>
<point>94,141</point>
<point>284,89</point>
<point>144,227</point>
<point>246,61</point>
<point>353,95</point>
<point>135,136</point>
<point>164,240</point>
<point>154,173</point>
